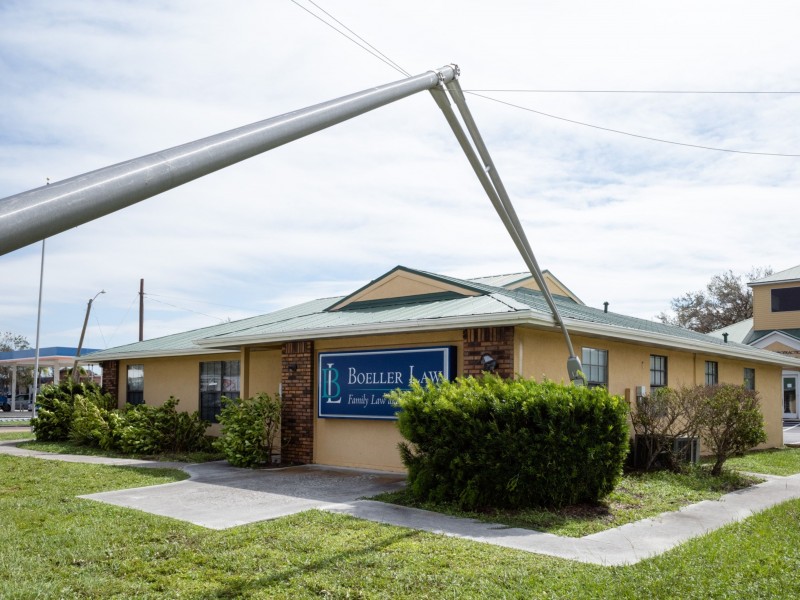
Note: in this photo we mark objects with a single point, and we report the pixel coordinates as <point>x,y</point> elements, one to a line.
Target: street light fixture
<point>75,372</point>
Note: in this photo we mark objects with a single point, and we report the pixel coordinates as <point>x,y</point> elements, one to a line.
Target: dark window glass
<point>786,299</point>
<point>658,371</point>
<point>217,379</point>
<point>712,372</point>
<point>750,378</point>
<point>595,367</point>
<point>135,387</point>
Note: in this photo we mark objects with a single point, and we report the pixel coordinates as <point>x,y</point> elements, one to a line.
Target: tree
<point>730,422</point>
<point>726,300</point>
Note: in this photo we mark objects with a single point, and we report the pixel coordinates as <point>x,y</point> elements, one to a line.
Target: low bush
<point>490,442</point>
<point>56,404</point>
<point>93,425</point>
<point>145,429</point>
<point>661,418</point>
<point>249,428</point>
<point>730,422</point>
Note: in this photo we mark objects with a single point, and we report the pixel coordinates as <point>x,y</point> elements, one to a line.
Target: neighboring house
<point>775,326</point>
<point>333,359</point>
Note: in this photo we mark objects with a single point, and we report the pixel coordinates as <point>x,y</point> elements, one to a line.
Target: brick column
<point>297,403</point>
<point>111,378</point>
<point>496,341</point>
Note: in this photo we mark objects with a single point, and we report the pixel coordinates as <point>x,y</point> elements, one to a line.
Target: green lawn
<point>638,496</point>
<point>71,448</point>
<point>57,546</point>
<point>15,435</point>
<point>785,461</point>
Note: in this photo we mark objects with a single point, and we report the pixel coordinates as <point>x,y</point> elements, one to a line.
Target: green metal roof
<point>493,306</point>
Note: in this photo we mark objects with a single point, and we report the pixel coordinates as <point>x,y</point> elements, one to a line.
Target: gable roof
<point>487,306</point>
<point>525,279</point>
<point>402,285</point>
<point>784,276</point>
<point>737,332</point>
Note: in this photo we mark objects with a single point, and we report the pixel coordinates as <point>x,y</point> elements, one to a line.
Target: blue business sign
<point>353,385</point>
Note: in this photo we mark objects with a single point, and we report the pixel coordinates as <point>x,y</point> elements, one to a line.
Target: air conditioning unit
<point>685,449</point>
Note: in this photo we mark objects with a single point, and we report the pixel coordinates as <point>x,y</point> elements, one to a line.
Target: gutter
<point>517,318</point>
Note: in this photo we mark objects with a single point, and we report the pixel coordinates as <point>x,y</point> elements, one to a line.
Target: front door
<point>790,397</point>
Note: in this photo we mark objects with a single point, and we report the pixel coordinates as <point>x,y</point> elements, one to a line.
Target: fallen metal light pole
<point>31,216</point>
<point>36,214</point>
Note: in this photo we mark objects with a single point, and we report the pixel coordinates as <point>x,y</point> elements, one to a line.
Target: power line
<point>379,55</point>
<point>533,91</point>
<point>636,135</point>
<point>376,54</point>
<point>184,308</point>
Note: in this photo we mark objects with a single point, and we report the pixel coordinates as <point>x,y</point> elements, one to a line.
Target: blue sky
<point>616,218</point>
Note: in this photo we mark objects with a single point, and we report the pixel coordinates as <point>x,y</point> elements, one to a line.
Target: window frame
<point>595,367</point>
<point>712,372</point>
<point>654,369</point>
<point>132,395</point>
<point>788,296</point>
<point>222,375</point>
<point>749,382</point>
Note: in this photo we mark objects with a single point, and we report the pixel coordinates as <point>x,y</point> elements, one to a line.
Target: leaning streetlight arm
<point>495,189</point>
<point>36,214</point>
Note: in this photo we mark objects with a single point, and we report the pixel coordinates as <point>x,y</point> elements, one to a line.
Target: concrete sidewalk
<point>219,496</point>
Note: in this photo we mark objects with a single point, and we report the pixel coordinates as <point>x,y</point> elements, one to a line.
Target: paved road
<point>791,433</point>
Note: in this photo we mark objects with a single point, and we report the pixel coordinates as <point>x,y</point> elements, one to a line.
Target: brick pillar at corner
<point>353,385</point>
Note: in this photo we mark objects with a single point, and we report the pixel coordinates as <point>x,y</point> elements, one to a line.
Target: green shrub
<point>249,428</point>
<point>145,429</point>
<point>90,424</point>
<point>730,422</point>
<point>490,442</point>
<point>56,407</point>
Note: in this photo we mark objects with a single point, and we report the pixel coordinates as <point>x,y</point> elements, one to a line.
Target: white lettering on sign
<point>356,377</point>
<point>432,376</point>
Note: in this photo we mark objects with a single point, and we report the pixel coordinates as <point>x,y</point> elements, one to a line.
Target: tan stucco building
<point>332,359</point>
<point>775,326</point>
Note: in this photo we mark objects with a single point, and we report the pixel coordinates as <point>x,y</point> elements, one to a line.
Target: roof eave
<point>150,354</point>
<point>520,317</point>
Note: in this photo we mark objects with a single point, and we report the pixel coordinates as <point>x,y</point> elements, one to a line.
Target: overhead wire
<point>186,309</point>
<point>635,135</point>
<point>366,46</point>
<point>381,56</point>
<point>543,91</point>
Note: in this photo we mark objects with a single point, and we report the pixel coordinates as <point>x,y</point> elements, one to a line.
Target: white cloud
<point>634,222</point>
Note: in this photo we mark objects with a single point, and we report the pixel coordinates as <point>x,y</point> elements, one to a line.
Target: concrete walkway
<point>219,496</point>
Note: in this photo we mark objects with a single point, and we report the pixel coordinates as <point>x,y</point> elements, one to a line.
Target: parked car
<point>22,401</point>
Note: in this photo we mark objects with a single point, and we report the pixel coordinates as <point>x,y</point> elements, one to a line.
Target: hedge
<point>489,442</point>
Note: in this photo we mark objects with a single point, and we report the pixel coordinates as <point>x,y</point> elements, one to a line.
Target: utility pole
<point>75,371</point>
<point>141,310</point>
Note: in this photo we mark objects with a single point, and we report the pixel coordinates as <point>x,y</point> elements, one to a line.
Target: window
<point>595,367</point>
<point>658,371</point>
<point>749,378</point>
<point>135,387</point>
<point>217,379</point>
<point>712,372</point>
<point>786,299</point>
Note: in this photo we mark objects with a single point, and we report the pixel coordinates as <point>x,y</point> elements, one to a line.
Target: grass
<point>58,546</point>
<point>638,496</point>
<point>15,435</point>
<point>784,461</point>
<point>71,448</point>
